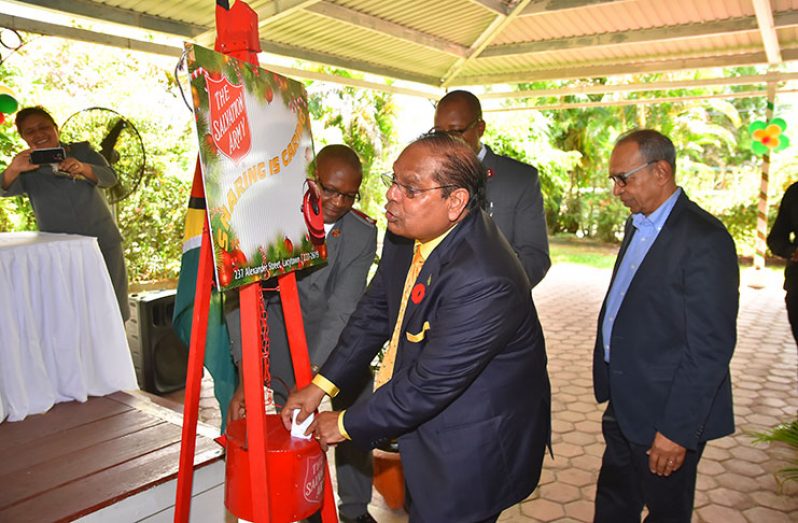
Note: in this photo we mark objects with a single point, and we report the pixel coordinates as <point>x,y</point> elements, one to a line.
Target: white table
<point>62,337</point>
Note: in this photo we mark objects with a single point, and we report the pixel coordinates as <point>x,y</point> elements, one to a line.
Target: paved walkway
<point>735,483</point>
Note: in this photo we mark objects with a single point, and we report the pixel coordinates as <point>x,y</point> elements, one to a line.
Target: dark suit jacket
<point>469,398</point>
<point>779,240</point>
<point>674,334</point>
<point>515,202</point>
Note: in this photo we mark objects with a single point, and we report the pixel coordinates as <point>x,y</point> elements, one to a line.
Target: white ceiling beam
<point>621,68</point>
<point>767,28</point>
<point>294,72</point>
<point>730,25</point>
<point>382,26</point>
<point>497,7</point>
<point>310,55</point>
<point>537,7</point>
<point>85,35</point>
<point>625,37</point>
<point>106,13</point>
<point>641,101</point>
<point>483,40</point>
<point>648,86</point>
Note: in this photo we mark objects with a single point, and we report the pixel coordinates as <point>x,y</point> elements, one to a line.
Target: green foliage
<point>362,119</point>
<point>786,433</point>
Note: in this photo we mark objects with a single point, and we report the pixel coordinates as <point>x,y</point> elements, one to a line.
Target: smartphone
<point>45,156</point>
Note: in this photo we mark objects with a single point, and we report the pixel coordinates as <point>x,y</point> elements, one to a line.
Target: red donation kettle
<point>294,467</point>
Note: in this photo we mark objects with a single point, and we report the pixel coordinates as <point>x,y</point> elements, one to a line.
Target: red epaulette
<point>365,217</point>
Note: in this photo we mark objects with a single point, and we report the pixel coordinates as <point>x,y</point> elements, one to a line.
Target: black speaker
<point>159,357</point>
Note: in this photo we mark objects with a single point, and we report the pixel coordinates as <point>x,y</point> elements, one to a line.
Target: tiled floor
<point>736,482</point>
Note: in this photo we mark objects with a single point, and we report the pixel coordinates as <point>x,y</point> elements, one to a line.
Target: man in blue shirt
<point>666,333</point>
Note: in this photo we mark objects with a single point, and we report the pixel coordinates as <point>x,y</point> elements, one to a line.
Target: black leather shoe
<point>365,518</point>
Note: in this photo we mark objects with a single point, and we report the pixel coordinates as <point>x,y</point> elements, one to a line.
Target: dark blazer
<point>779,238</point>
<point>515,202</point>
<point>469,398</point>
<point>674,334</point>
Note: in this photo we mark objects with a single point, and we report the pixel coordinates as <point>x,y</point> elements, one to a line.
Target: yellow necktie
<point>388,360</point>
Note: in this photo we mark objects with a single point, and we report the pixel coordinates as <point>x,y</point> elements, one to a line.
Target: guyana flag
<point>218,360</point>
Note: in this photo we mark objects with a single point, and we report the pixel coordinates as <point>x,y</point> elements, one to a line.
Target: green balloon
<point>8,104</point>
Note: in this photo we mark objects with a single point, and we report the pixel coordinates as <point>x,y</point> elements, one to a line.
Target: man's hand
<point>306,400</point>
<point>665,456</point>
<point>325,429</point>
<point>237,408</point>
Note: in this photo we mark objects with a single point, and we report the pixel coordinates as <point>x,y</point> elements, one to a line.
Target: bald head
<point>460,113</point>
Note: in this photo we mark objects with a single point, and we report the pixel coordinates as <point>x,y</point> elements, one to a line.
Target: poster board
<point>256,152</point>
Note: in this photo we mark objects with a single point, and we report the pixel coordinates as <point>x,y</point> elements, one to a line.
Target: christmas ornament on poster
<point>256,152</point>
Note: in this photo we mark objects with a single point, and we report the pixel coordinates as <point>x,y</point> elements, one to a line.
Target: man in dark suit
<point>328,295</point>
<point>514,200</point>
<point>782,240</point>
<point>468,393</point>
<point>666,333</point>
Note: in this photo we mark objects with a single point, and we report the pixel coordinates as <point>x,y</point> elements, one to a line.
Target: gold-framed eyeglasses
<point>621,179</point>
<point>457,132</point>
<point>408,190</point>
<point>331,193</point>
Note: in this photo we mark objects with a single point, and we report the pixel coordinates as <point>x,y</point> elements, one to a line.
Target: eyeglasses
<point>332,193</point>
<point>408,190</point>
<point>459,132</point>
<point>621,179</point>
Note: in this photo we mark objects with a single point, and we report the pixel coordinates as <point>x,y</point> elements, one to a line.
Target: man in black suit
<point>782,240</point>
<point>464,385</point>
<point>328,295</point>
<point>514,200</point>
<point>666,333</point>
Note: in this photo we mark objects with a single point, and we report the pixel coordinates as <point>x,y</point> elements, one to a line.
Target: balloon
<point>8,100</point>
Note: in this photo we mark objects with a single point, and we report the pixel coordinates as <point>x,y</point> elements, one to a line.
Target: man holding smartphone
<point>64,194</point>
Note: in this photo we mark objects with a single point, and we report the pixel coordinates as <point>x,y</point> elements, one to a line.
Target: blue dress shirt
<point>647,229</point>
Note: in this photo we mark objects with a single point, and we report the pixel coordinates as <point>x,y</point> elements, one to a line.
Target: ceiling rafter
<point>730,25</point>
<point>382,26</point>
<point>483,40</point>
<point>648,86</point>
<point>89,9</point>
<point>537,7</point>
<point>303,53</point>
<point>85,35</point>
<point>497,7</point>
<point>767,28</point>
<point>634,101</point>
<point>614,69</point>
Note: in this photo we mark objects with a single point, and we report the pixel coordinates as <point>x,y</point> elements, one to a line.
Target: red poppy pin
<point>490,173</point>
<point>336,233</point>
<point>417,294</point>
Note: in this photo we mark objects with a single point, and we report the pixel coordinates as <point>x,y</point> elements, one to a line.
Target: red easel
<point>237,36</point>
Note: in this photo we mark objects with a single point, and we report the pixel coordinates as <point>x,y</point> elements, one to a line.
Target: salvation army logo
<point>228,120</point>
<point>314,479</point>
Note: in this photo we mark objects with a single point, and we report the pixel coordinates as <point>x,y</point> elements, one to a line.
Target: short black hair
<point>653,145</point>
<point>31,111</point>
<point>458,166</point>
<point>464,96</point>
<point>344,153</point>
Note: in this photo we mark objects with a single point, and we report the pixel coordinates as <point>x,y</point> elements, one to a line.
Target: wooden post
<point>762,205</point>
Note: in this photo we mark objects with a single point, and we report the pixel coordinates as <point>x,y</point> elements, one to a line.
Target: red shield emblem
<point>228,122</point>
<point>314,479</point>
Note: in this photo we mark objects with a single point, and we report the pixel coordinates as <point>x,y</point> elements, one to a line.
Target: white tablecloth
<point>61,333</point>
